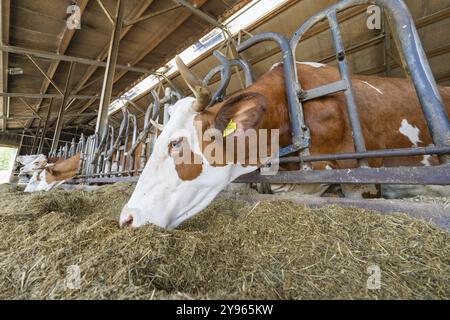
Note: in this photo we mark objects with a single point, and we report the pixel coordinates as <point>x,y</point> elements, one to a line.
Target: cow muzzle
<point>127,216</point>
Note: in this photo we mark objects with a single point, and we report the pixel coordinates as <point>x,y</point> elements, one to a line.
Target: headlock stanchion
<point>416,66</point>
<point>413,60</point>
<point>300,133</point>
<point>226,76</point>
<point>116,156</point>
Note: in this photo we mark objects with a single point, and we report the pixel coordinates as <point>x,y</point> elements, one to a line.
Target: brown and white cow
<point>53,174</point>
<point>169,192</point>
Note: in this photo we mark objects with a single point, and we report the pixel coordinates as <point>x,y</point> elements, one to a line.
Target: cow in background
<point>47,176</point>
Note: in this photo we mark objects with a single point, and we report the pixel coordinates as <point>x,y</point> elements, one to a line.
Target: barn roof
<point>42,27</point>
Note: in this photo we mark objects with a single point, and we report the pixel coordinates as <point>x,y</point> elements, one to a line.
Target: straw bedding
<point>268,250</point>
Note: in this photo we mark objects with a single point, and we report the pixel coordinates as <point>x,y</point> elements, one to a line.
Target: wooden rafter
<point>62,47</point>
<point>5,10</point>
<point>136,13</point>
<point>181,18</point>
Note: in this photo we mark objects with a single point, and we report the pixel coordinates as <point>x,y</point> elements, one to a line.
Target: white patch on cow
<point>276,65</point>
<point>313,64</point>
<point>328,167</point>
<point>373,87</point>
<point>426,160</point>
<point>411,132</point>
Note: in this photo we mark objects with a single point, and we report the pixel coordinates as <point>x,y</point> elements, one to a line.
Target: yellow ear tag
<point>231,127</point>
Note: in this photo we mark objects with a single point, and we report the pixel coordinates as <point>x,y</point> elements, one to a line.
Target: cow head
<point>181,177</point>
<point>32,163</point>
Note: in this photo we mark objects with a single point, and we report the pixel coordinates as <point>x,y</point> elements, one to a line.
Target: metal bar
<point>200,13</point>
<point>5,25</point>
<point>44,74</point>
<point>352,109</point>
<point>438,175</point>
<point>36,137</point>
<point>413,59</point>
<point>390,153</point>
<point>61,57</point>
<point>300,133</point>
<point>106,11</point>
<point>105,99</point>
<point>327,89</point>
<point>59,121</point>
<point>225,72</point>
<point>27,135</point>
<point>44,130</point>
<point>45,96</point>
<point>151,15</point>
<point>31,108</point>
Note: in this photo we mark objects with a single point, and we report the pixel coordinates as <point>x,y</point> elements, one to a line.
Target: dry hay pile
<point>270,250</point>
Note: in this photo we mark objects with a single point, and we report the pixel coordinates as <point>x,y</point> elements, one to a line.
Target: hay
<point>268,250</point>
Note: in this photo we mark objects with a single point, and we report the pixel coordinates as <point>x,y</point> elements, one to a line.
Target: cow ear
<point>244,112</point>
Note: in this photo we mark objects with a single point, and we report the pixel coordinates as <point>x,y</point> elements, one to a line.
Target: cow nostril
<point>127,222</point>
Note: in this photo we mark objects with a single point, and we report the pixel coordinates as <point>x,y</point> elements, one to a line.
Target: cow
<point>53,174</point>
<point>169,192</point>
<point>31,163</point>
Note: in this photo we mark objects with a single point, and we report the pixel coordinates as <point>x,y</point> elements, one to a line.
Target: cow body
<point>168,192</point>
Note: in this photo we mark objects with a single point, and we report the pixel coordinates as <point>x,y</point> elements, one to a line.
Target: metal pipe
<point>300,133</point>
<point>44,96</point>
<point>106,11</point>
<point>151,15</point>
<point>31,109</point>
<point>59,120</point>
<point>248,73</point>
<point>435,175</point>
<point>44,130</point>
<point>413,59</point>
<point>130,153</point>
<point>200,13</point>
<point>45,74</point>
<point>225,72</point>
<point>61,57</point>
<point>389,153</point>
<point>352,109</point>
<point>105,99</point>
<point>36,136</point>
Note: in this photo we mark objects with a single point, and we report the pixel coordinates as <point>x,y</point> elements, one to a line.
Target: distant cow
<point>53,174</point>
<point>169,192</point>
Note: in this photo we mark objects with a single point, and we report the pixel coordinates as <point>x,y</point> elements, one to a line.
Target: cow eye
<point>176,144</point>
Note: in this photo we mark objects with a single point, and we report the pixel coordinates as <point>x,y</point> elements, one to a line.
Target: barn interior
<point>72,70</point>
<point>39,53</point>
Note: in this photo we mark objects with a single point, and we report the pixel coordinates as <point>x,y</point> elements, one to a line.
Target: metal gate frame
<point>416,66</point>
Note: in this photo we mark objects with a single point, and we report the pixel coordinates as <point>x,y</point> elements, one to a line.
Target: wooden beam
<point>181,18</point>
<point>5,10</point>
<point>136,13</point>
<point>62,47</point>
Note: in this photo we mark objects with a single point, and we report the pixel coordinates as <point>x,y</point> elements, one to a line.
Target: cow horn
<point>158,126</point>
<point>198,88</point>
